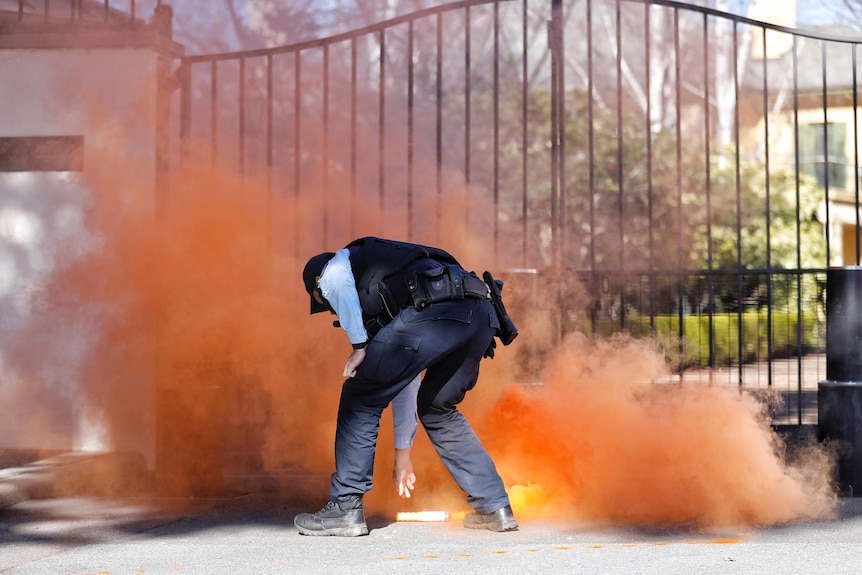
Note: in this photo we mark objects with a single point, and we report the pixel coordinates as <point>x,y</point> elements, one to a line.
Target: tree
<point>845,12</point>
<point>231,25</point>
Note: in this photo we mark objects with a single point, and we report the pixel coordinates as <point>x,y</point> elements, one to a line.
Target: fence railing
<point>674,161</point>
<point>41,11</point>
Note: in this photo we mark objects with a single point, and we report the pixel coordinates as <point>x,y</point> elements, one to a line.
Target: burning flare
<point>422,516</point>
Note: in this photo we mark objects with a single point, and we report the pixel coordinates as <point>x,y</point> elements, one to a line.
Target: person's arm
<point>406,424</point>
<point>338,286</point>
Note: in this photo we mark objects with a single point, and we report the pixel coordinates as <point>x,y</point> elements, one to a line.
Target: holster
<point>444,283</point>
<point>507,331</point>
<point>383,307</point>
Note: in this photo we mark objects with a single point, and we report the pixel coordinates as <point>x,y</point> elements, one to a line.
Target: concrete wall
<point>103,87</point>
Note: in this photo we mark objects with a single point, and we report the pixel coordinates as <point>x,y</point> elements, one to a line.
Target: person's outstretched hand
<point>402,475</point>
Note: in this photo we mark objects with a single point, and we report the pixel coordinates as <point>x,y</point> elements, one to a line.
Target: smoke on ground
<point>198,348</point>
<point>599,441</point>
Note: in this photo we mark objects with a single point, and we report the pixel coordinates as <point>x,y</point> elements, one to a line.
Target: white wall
<point>108,96</point>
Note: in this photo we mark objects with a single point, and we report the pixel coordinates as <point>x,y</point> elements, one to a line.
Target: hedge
<point>755,342</point>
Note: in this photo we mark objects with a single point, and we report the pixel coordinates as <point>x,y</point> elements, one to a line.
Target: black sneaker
<point>500,520</point>
<point>343,519</point>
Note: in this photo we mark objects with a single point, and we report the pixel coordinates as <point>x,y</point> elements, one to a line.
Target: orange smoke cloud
<point>199,341</point>
<point>198,347</point>
<point>194,343</point>
<point>599,442</point>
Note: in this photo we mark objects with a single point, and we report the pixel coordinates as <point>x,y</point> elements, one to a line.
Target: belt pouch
<point>456,282</point>
<point>444,283</point>
<point>429,286</point>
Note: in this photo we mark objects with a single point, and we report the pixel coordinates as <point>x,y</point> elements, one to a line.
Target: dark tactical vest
<point>382,269</point>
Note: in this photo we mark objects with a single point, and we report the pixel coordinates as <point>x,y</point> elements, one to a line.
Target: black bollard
<point>839,397</point>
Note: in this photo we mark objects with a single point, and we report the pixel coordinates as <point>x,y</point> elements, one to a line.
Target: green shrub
<point>690,347</point>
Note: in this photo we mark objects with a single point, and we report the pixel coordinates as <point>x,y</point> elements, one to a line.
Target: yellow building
<point>811,115</point>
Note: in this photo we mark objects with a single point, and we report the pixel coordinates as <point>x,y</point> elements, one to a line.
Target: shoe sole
<point>498,527</point>
<point>352,531</point>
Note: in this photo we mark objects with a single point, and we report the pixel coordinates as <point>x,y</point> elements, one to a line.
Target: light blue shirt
<point>338,286</point>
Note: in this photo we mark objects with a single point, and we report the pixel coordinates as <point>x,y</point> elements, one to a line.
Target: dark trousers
<point>448,339</point>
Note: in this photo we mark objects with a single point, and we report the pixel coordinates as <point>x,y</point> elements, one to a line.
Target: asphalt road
<point>254,534</point>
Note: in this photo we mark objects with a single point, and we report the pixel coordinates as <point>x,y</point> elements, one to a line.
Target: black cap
<point>312,270</point>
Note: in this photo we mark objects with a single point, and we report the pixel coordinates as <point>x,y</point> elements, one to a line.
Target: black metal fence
<point>696,172</point>
<point>41,11</point>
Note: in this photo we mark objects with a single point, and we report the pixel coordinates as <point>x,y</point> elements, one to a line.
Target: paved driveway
<point>255,535</point>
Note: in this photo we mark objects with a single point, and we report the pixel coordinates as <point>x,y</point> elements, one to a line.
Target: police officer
<point>406,308</point>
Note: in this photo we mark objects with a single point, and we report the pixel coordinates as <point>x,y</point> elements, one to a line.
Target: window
<point>820,156</point>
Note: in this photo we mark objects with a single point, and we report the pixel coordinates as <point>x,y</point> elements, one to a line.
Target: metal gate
<point>694,172</point>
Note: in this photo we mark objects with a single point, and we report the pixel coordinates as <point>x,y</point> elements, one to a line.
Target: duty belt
<point>445,283</point>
